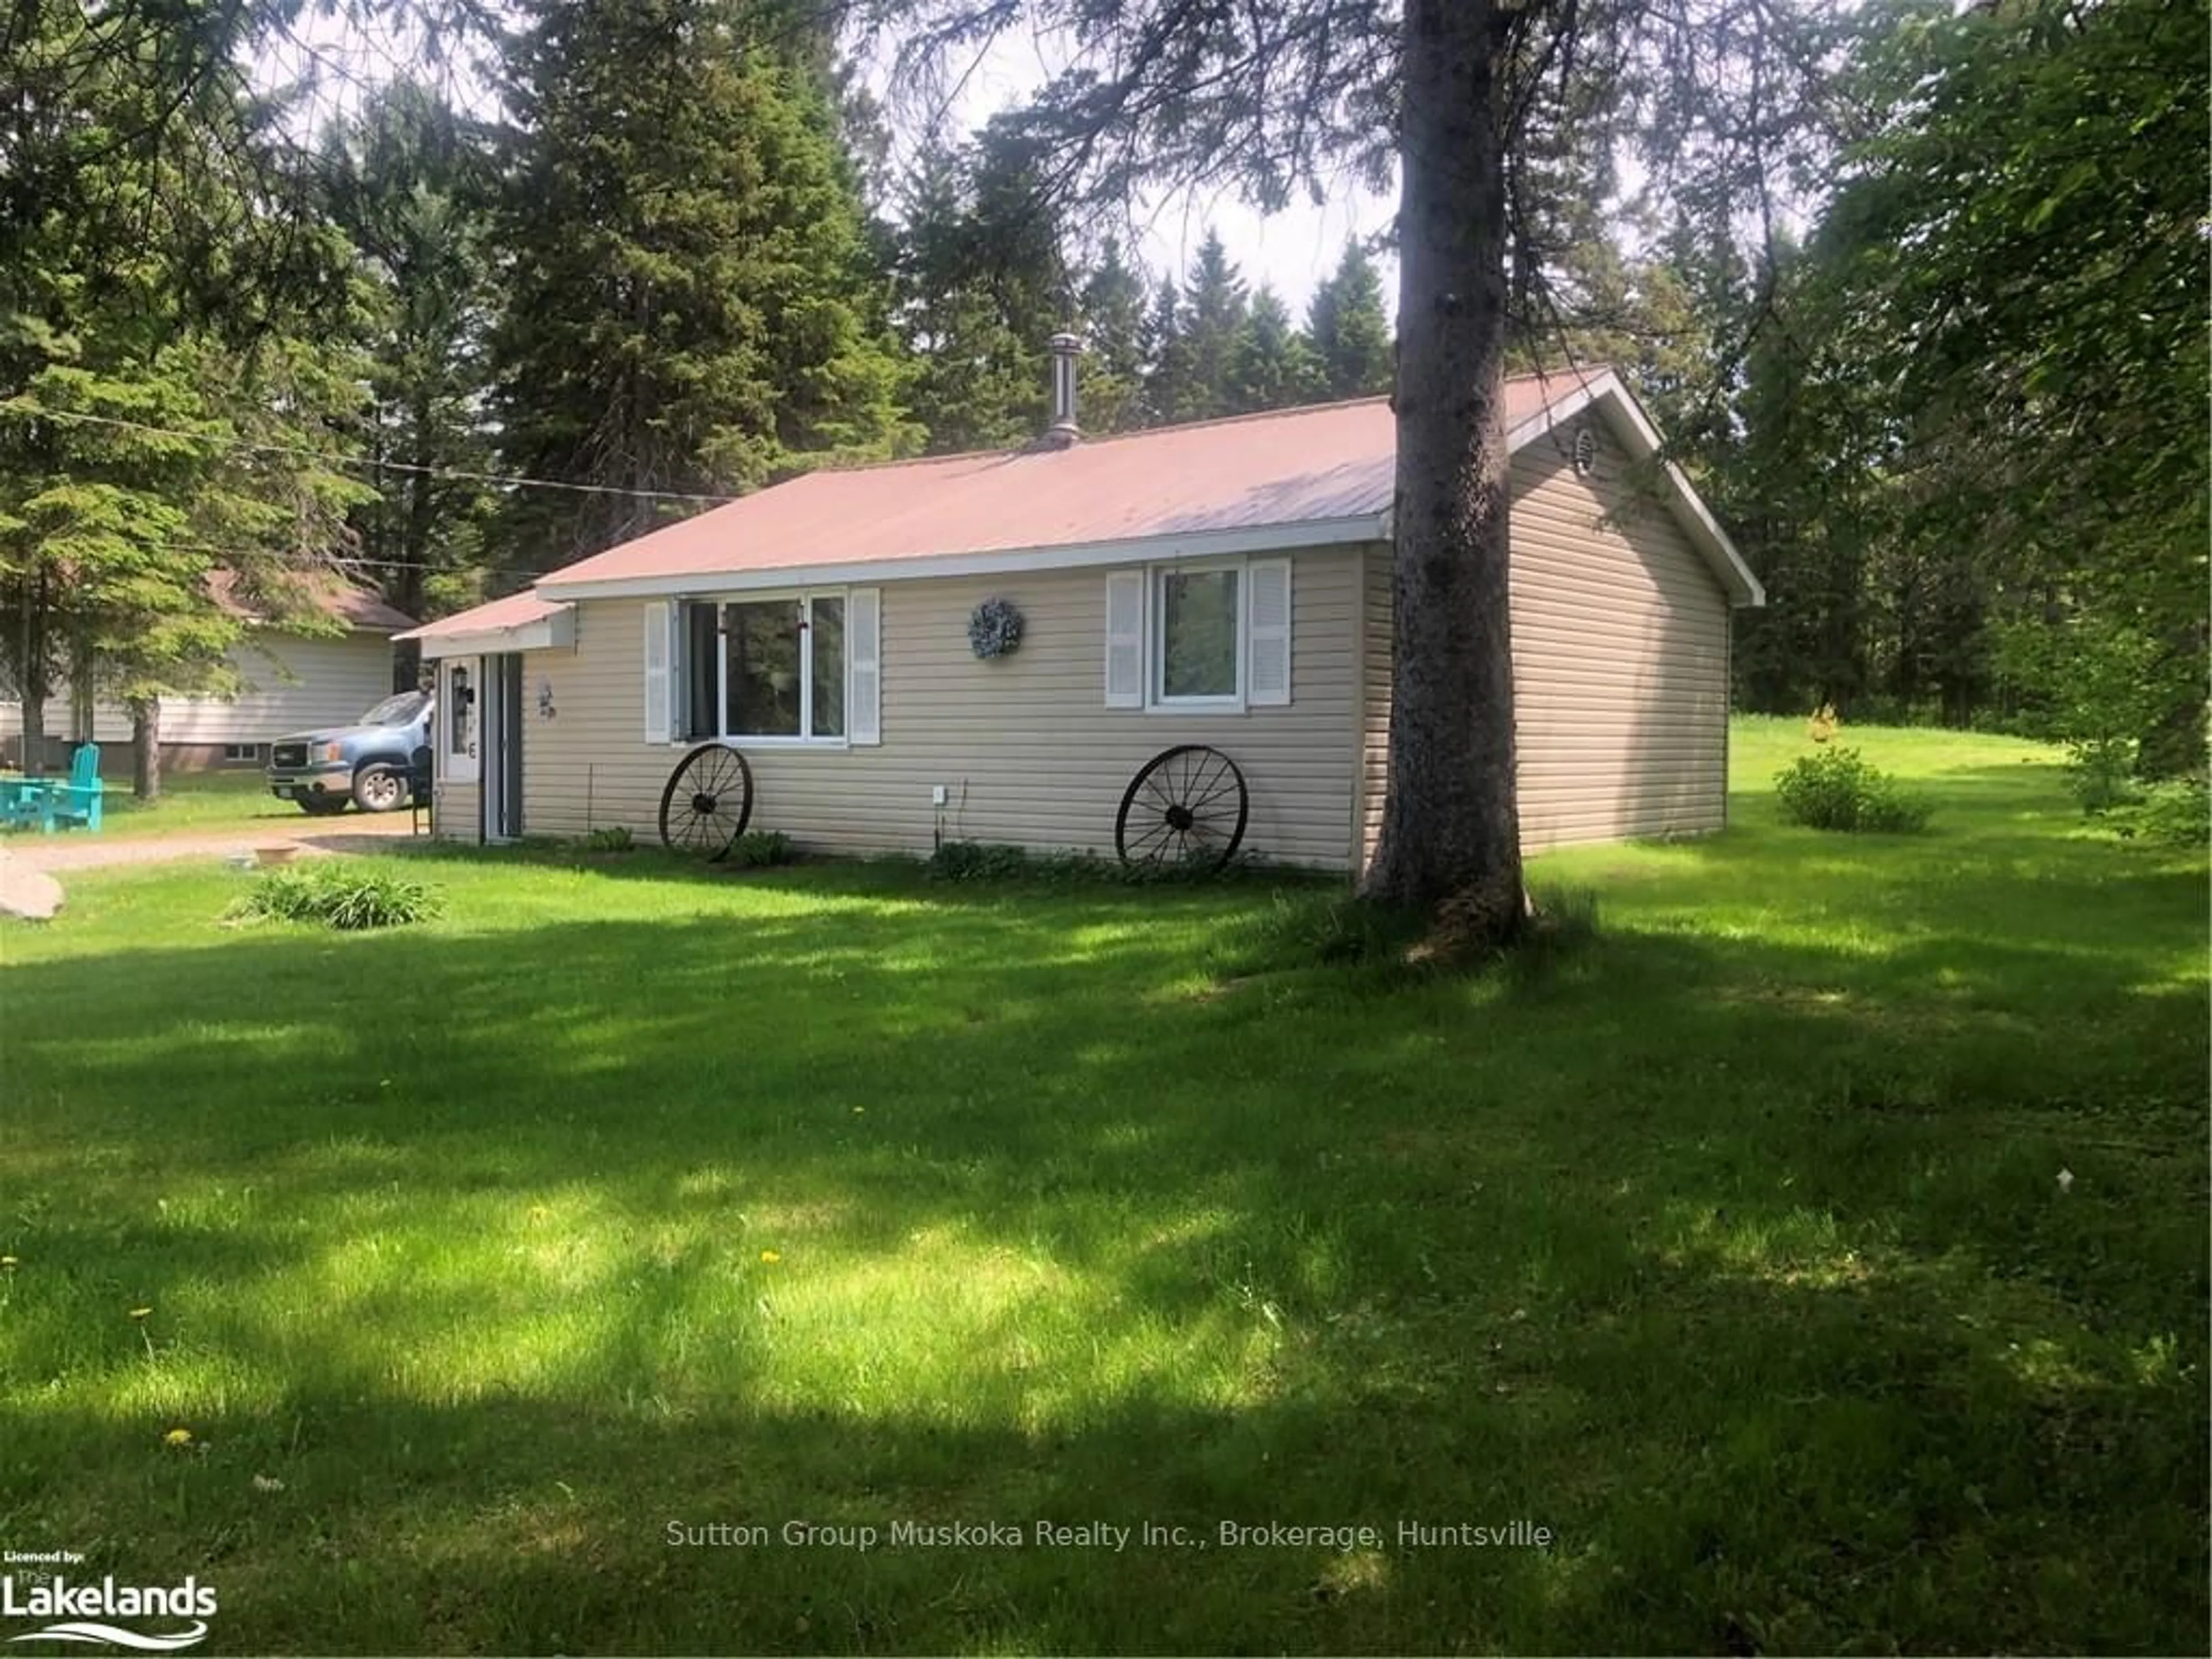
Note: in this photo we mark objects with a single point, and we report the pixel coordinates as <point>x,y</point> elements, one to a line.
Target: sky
<point>1290,252</point>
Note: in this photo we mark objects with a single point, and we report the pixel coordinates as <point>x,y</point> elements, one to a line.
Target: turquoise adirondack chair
<point>52,802</point>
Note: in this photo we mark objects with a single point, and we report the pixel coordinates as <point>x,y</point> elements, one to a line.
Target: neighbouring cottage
<point>287,681</point>
<point>1222,586</point>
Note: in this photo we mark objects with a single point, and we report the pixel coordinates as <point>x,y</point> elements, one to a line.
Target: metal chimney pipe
<point>1065,349</point>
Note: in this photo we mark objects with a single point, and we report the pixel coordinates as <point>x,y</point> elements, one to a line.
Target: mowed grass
<point>191,801</point>
<point>1733,1249</point>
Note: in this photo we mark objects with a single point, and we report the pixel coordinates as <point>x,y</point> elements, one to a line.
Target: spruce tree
<point>691,307</point>
<point>1348,329</point>
<point>1213,325</point>
<point>1169,374</point>
<point>979,284</point>
<point>175,380</point>
<point>412,184</point>
<point>1111,378</point>
<point>1274,367</point>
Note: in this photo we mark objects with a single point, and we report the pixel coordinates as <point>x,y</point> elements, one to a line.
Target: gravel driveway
<point>75,849</point>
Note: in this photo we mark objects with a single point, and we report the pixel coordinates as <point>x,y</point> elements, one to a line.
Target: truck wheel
<point>380,788</point>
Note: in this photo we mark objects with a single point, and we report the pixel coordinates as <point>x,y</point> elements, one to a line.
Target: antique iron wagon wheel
<point>1186,806</point>
<point>709,799</point>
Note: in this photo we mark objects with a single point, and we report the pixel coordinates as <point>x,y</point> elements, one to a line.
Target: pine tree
<point>1349,330</point>
<point>412,184</point>
<point>691,307</point>
<point>979,284</point>
<point>164,418</point>
<point>1274,367</point>
<point>1213,310</point>
<point>1169,372</point>
<point>1111,379</point>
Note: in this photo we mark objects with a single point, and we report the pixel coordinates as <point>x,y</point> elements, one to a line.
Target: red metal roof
<point>1330,463</point>
<point>515,610</point>
<point>1297,466</point>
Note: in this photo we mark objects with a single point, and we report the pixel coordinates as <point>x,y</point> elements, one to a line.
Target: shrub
<point>610,838</point>
<point>1839,789</point>
<point>2101,772</point>
<point>973,860</point>
<point>348,896</point>
<point>757,849</point>
<point>1326,929</point>
<point>977,860</point>
<point>1564,922</point>
<point>2176,813</point>
<point>1340,929</point>
<point>2126,703</point>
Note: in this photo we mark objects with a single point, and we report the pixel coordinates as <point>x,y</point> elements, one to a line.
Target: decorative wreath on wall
<point>995,628</point>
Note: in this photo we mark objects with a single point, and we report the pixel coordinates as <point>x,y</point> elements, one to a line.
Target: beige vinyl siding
<point>1620,643</point>
<point>287,683</point>
<point>456,809</point>
<point>111,721</point>
<point>1375,699</point>
<point>1025,745</point>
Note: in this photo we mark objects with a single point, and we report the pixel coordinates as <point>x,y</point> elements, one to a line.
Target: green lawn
<point>193,801</point>
<point>1733,1250</point>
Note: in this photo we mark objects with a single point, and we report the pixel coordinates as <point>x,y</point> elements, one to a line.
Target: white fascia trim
<point>1634,428</point>
<point>1138,549</point>
<point>550,634</point>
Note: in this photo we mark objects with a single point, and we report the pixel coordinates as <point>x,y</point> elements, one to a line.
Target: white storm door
<point>459,701</point>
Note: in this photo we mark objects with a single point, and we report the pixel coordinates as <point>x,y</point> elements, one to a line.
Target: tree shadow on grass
<point>1869,1480</point>
<point>1740,1266</point>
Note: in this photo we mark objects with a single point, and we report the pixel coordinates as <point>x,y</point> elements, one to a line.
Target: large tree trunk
<point>1451,824</point>
<point>33,757</point>
<point>34,681</point>
<point>146,748</point>
<point>36,687</point>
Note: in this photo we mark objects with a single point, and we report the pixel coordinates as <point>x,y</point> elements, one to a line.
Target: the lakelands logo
<point>83,1611</point>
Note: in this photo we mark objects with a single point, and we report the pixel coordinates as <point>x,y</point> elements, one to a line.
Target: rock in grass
<point>31,894</point>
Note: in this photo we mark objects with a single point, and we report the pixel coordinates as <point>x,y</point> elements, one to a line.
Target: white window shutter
<point>659,671</point>
<point>864,654</point>
<point>1269,600</point>
<point>1125,639</point>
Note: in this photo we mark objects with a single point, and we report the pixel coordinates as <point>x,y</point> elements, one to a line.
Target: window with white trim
<point>790,668</point>
<point>241,751</point>
<point>1211,634</point>
<point>1198,646</point>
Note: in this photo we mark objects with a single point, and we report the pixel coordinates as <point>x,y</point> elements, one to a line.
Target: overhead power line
<point>25,407</point>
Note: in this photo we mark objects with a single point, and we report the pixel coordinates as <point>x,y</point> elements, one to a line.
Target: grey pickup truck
<point>369,764</point>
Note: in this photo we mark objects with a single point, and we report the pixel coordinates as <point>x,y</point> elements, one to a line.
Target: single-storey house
<point>287,681</point>
<point>1225,584</point>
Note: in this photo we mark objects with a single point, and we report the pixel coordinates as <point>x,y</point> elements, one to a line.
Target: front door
<point>456,737</point>
<point>501,729</point>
